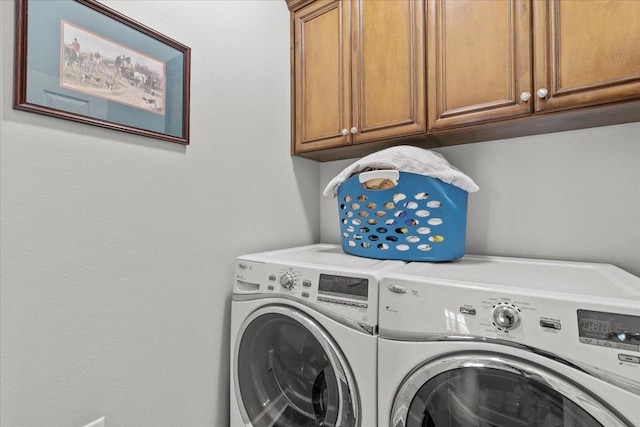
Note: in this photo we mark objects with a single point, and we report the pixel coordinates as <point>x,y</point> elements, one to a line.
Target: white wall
<point>569,195</point>
<point>118,250</point>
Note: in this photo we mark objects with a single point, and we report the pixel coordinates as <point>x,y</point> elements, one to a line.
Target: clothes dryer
<point>304,338</point>
<point>494,341</point>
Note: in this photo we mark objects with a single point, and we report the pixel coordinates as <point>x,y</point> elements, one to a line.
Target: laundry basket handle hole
<point>379,179</point>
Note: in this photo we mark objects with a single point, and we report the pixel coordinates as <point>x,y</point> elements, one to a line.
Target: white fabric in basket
<point>406,159</point>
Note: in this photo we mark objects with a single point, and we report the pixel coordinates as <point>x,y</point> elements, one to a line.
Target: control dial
<point>288,280</point>
<point>506,315</point>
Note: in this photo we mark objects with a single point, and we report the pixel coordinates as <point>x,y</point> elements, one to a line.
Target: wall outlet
<point>97,423</point>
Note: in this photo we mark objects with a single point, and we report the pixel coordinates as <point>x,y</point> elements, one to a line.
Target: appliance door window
<point>290,373</point>
<point>475,390</point>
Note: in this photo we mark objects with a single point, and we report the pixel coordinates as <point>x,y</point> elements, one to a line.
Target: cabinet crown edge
<point>297,4</point>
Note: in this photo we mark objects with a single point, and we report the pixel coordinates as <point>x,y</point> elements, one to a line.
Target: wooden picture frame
<point>79,60</point>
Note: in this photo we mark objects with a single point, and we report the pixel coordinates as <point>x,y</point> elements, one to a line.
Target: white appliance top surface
<point>543,275</point>
<point>323,255</point>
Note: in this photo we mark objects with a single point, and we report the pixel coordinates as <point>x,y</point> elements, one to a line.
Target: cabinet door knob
<point>542,93</point>
<point>344,132</point>
<point>354,130</point>
<point>525,96</point>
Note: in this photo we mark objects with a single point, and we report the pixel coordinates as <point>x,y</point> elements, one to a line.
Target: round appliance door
<point>495,390</point>
<point>289,372</point>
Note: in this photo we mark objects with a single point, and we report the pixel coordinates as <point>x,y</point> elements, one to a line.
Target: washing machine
<point>495,341</point>
<point>304,338</point>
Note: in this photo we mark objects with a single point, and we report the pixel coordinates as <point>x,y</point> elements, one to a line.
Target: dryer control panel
<point>611,330</point>
<point>593,331</point>
<point>588,313</point>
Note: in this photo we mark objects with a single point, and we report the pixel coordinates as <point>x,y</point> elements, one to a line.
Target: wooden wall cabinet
<point>358,75</point>
<point>586,53</point>
<point>368,74</point>
<point>495,60</point>
<point>479,61</point>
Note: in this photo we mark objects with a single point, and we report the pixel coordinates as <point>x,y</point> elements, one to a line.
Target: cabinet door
<point>388,60</point>
<point>587,52</point>
<point>479,61</point>
<point>321,75</point>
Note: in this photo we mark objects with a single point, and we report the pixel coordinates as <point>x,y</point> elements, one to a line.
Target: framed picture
<point>81,61</point>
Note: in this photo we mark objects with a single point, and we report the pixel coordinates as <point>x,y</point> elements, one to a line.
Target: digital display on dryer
<point>595,326</point>
<point>342,286</point>
<point>608,327</point>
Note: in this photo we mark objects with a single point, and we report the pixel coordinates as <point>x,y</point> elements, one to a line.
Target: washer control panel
<point>341,290</point>
<point>350,295</point>
<point>288,280</point>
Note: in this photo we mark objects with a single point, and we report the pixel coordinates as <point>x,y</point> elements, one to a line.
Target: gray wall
<point>569,195</point>
<point>118,250</point>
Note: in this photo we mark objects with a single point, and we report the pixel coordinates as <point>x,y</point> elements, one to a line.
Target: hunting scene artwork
<point>101,67</point>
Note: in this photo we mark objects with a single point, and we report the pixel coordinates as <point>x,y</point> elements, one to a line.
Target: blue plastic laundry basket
<point>419,219</point>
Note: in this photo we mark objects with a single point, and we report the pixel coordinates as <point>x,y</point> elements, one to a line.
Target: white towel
<point>406,159</point>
